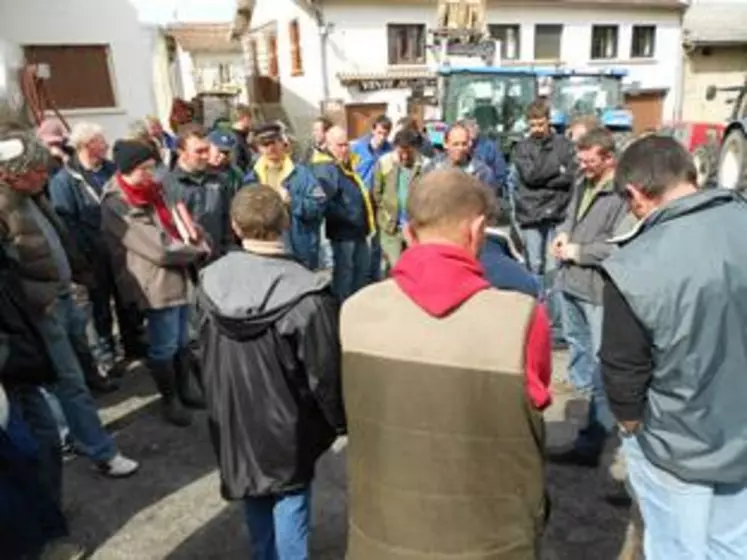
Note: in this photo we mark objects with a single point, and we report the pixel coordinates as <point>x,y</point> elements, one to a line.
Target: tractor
<point>589,92</point>
<point>732,159</point>
<point>496,97</point>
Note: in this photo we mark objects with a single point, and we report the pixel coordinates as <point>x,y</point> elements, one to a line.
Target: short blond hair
<point>444,198</point>
<point>258,212</point>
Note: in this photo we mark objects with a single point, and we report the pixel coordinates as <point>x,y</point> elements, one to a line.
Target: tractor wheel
<point>732,164</point>
<point>705,158</point>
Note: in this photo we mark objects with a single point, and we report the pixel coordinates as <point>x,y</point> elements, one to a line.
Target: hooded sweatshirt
<point>271,363</point>
<point>440,278</point>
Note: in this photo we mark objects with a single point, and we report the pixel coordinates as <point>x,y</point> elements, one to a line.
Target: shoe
<point>101,384</point>
<point>576,458</point>
<point>165,377</point>
<point>118,466</point>
<point>62,549</point>
<point>188,385</point>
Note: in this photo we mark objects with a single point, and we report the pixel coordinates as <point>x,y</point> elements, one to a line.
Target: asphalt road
<point>172,508</point>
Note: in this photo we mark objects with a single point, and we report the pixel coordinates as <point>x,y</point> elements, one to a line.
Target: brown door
<point>360,117</point>
<point>646,108</point>
<point>416,111</point>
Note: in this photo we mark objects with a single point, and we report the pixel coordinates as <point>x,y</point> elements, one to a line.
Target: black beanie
<point>128,154</point>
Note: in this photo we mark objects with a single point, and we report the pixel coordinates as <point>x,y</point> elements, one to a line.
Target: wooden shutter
<point>80,74</point>
<point>295,48</point>
<point>273,70</point>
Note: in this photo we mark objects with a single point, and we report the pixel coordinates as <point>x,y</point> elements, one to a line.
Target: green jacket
<point>385,191</point>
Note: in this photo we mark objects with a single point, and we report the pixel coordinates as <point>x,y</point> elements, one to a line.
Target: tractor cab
<point>578,92</point>
<point>496,97</point>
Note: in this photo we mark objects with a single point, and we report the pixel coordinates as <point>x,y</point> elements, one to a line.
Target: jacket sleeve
<point>379,182</point>
<point>147,241</point>
<point>309,202</point>
<point>625,356</point>
<point>318,349</point>
<point>570,216</point>
<point>65,206</point>
<point>591,254</point>
<point>325,175</point>
<point>535,173</point>
<point>538,358</point>
<point>566,156</point>
<point>500,168</point>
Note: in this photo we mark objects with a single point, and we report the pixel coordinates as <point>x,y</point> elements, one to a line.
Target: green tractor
<point>496,97</point>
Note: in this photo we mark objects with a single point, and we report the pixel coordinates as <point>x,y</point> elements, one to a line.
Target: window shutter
<point>273,69</point>
<point>295,48</point>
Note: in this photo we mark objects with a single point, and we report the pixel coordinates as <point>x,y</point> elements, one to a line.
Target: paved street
<point>173,510</point>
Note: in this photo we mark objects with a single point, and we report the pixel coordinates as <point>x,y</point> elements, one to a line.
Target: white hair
<point>83,133</point>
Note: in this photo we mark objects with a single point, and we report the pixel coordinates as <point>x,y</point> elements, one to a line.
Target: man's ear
<point>236,230</point>
<point>477,234</point>
<point>411,237</point>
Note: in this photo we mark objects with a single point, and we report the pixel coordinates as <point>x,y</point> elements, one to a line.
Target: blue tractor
<point>590,92</point>
<point>496,97</point>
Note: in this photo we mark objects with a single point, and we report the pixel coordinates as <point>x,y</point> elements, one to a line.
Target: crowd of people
<point>363,291</point>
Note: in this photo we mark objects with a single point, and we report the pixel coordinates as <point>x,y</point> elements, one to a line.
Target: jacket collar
<point>683,206</point>
<point>260,169</point>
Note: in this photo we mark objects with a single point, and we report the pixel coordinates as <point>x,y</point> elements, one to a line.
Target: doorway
<point>360,117</point>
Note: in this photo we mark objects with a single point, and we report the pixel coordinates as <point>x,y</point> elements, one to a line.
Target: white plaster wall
<point>113,22</point>
<point>359,42</point>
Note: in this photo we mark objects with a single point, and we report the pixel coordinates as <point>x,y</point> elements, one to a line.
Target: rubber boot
<point>188,380</point>
<point>165,377</point>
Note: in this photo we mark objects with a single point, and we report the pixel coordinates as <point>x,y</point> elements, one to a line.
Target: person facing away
<point>458,144</point>
<point>206,195</point>
<point>350,218</point>
<point>271,362</point>
<point>674,353</point>
<point>394,175</point>
<point>443,400</point>
<point>152,263</point>
<point>581,246</point>
<point>299,189</point>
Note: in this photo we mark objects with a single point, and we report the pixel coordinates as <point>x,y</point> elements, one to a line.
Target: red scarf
<point>149,194</point>
<point>439,278</point>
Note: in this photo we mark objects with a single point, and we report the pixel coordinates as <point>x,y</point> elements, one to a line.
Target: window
<point>406,43</point>
<point>547,39</point>
<point>644,41</point>
<point>224,74</point>
<point>80,74</point>
<point>254,54</point>
<point>603,42</point>
<point>273,69</point>
<point>510,38</point>
<point>295,48</point>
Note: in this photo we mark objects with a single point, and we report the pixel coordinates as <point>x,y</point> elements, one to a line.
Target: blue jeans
<point>56,329</point>
<point>374,274</point>
<point>35,411</point>
<point>537,241</point>
<point>579,319</point>
<point>279,526</point>
<point>168,332</point>
<point>585,338</point>
<point>684,520</point>
<point>351,268</point>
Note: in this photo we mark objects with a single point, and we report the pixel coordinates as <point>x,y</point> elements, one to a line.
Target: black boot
<point>188,380</point>
<point>165,377</point>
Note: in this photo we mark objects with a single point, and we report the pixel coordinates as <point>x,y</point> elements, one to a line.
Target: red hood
<point>439,278</point>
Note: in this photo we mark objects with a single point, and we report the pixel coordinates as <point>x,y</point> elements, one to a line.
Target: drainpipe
<point>323,28</point>
<point>680,78</point>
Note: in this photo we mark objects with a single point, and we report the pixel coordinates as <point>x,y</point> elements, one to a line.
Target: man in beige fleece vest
<point>443,377</point>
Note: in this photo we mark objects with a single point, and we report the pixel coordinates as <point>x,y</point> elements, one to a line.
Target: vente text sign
<point>395,83</point>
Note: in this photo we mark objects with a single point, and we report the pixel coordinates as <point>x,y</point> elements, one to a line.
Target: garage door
<point>647,108</point>
<point>361,116</point>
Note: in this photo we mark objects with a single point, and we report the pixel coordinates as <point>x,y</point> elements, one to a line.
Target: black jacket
<point>271,367</point>
<point>23,358</point>
<point>242,155</point>
<point>546,170</point>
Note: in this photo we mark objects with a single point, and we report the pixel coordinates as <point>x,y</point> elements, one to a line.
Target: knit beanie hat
<point>128,154</point>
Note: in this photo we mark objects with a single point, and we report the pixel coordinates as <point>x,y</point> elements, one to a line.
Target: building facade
<point>715,35</point>
<point>105,65</point>
<point>357,58</point>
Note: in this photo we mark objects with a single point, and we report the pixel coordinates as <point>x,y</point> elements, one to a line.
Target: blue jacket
<point>487,150</point>
<point>349,213</point>
<point>367,158</point>
<point>503,271</point>
<point>76,195</point>
<point>308,203</point>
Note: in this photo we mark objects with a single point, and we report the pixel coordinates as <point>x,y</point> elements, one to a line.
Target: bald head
<point>337,143</point>
<point>449,205</point>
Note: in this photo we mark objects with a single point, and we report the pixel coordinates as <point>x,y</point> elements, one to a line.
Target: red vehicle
<point>702,140</point>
